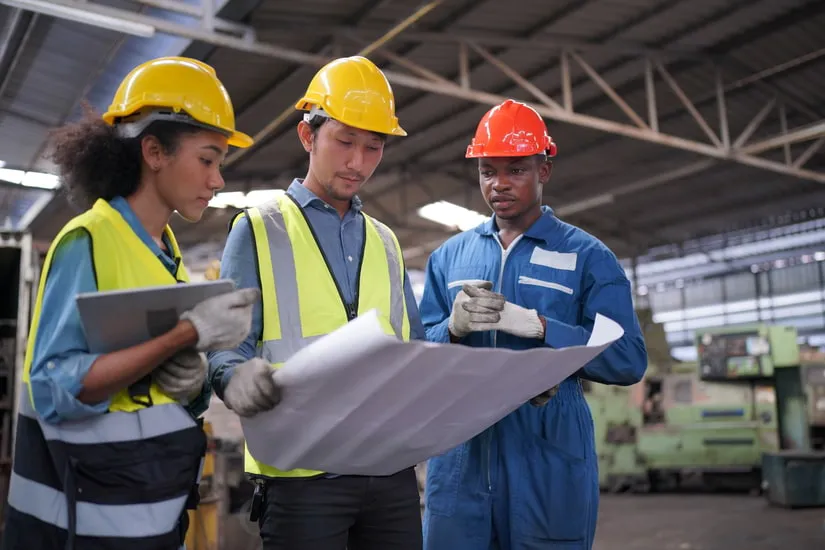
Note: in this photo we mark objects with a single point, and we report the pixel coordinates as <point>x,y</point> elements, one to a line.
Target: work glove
<point>475,311</point>
<point>224,321</point>
<point>252,388</point>
<point>512,318</point>
<point>182,375</point>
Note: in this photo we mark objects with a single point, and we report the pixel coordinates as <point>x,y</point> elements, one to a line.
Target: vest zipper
<point>351,310</point>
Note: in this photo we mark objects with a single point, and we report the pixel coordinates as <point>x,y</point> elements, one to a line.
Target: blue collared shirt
<point>61,354</point>
<point>341,240</point>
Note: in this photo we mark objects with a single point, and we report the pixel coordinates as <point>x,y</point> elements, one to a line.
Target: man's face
<point>511,186</point>
<point>342,158</point>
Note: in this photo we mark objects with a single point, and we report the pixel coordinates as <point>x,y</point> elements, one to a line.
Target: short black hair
<point>95,163</point>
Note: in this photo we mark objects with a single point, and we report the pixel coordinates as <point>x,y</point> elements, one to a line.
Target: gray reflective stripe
<point>95,520</point>
<point>396,280</point>
<point>278,351</point>
<point>286,283</point>
<point>114,426</point>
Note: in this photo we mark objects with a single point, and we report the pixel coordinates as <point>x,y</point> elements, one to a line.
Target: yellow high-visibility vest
<point>125,475</point>
<point>301,301</point>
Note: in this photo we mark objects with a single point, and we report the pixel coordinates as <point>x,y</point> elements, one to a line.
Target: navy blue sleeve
<point>606,291</point>
<point>436,306</point>
<point>240,264</point>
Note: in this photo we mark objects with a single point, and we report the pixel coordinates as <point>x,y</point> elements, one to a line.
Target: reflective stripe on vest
<point>286,282</point>
<point>300,300</point>
<point>117,480</point>
<point>49,504</point>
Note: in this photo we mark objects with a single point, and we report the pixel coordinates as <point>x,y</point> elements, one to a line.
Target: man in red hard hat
<point>531,480</point>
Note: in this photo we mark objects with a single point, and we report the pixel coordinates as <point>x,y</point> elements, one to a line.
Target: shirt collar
<point>541,230</point>
<point>125,210</point>
<point>305,197</point>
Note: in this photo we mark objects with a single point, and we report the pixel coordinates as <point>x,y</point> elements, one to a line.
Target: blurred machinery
<point>221,519</point>
<point>18,278</point>
<point>750,413</point>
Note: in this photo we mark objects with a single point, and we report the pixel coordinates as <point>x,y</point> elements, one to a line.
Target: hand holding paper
<point>252,388</point>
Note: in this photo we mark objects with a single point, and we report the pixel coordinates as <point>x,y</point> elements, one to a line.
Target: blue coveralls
<point>531,480</point>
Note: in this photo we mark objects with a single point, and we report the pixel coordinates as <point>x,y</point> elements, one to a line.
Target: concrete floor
<point>705,522</point>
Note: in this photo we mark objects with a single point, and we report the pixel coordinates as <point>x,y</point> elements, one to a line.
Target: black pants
<point>347,512</point>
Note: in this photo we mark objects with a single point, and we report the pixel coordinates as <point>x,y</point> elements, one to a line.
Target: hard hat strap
<point>315,111</point>
<point>132,127</point>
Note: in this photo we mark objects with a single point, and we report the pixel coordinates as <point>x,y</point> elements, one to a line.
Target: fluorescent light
<point>40,180</point>
<point>2,163</point>
<point>13,176</point>
<point>239,199</point>
<point>451,215</point>
<point>83,16</point>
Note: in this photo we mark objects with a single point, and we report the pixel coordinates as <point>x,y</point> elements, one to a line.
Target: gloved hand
<point>251,388</point>
<point>513,318</point>
<point>182,375</point>
<point>224,321</point>
<point>475,308</point>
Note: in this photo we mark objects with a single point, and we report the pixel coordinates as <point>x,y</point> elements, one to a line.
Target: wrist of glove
<point>182,376</point>
<point>251,388</point>
<point>477,308</point>
<point>224,321</point>
<point>520,321</point>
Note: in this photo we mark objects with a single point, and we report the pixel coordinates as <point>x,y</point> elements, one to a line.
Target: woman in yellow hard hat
<point>106,454</point>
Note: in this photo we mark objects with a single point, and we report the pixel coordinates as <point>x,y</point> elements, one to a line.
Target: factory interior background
<point>690,138</point>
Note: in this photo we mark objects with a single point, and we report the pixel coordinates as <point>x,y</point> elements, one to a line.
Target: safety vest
<point>119,480</point>
<point>301,299</point>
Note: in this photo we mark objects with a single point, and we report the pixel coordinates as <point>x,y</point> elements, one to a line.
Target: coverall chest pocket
<point>552,293</point>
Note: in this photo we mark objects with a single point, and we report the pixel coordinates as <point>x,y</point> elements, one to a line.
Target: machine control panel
<point>734,356</point>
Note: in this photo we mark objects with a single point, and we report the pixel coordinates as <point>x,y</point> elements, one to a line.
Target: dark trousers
<point>346,512</point>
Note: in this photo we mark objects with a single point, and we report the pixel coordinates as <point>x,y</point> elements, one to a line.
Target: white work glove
<point>224,321</point>
<point>252,389</point>
<point>182,375</point>
<point>513,318</point>
<point>474,312</point>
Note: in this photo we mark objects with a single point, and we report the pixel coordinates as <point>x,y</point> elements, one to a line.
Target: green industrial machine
<point>749,396</point>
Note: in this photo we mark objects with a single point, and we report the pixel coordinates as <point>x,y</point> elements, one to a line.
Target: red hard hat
<point>512,129</point>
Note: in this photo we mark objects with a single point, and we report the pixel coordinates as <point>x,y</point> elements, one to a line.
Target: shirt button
<point>50,365</point>
<point>349,258</point>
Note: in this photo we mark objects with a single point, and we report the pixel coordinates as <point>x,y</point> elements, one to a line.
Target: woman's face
<point>189,177</point>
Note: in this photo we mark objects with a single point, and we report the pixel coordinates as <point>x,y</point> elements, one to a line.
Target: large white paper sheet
<point>360,402</point>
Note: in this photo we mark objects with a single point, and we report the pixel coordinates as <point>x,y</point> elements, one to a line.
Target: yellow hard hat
<point>353,91</point>
<point>186,86</point>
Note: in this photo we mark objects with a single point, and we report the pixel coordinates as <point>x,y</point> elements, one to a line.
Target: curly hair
<point>95,163</point>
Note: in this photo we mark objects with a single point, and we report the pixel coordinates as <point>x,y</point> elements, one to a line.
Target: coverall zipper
<point>505,252</point>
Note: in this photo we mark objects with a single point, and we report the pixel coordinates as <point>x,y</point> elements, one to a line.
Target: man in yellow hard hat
<point>320,262</point>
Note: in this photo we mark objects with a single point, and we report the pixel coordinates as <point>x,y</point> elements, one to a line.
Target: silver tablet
<point>118,319</point>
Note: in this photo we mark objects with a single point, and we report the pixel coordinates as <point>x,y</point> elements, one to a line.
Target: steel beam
<point>365,51</point>
<point>716,151</point>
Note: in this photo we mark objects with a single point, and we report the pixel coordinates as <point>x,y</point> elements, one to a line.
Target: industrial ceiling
<point>676,120</point>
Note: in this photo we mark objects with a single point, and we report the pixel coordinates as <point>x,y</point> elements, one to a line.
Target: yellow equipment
<point>183,85</point>
<point>354,91</point>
